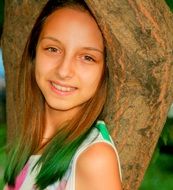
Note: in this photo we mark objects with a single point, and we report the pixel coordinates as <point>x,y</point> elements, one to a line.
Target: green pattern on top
<point>101,126</point>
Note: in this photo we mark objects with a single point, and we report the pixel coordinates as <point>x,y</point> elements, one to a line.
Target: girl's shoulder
<point>96,158</point>
<point>98,162</point>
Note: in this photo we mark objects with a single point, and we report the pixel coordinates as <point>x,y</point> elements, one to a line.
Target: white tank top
<point>26,179</point>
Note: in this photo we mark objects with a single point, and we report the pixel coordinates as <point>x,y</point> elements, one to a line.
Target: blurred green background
<point>159,175</point>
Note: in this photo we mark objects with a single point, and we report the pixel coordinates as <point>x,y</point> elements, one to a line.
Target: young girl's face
<point>69,59</point>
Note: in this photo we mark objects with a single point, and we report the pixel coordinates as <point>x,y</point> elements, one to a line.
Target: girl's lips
<point>62,89</point>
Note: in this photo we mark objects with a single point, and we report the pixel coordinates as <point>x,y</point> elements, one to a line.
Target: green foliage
<point>2,152</point>
<point>1,12</point>
<point>166,137</point>
<point>170,4</point>
<point>2,135</point>
<point>159,174</point>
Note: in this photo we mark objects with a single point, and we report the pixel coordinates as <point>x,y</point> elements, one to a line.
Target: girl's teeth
<point>62,88</point>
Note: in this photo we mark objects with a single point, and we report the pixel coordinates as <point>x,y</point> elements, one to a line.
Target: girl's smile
<point>62,89</point>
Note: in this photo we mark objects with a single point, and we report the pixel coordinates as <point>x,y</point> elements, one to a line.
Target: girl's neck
<point>55,118</point>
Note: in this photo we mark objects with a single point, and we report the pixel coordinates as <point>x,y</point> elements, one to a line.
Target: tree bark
<point>139,40</point>
<point>19,18</point>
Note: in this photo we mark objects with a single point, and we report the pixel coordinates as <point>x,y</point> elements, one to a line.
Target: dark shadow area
<point>159,174</point>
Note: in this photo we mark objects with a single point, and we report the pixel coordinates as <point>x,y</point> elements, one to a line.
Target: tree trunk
<point>18,20</point>
<point>139,41</point>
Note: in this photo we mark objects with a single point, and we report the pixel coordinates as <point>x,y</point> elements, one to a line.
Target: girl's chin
<point>63,107</point>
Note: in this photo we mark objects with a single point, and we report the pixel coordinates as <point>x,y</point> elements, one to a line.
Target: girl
<point>62,143</point>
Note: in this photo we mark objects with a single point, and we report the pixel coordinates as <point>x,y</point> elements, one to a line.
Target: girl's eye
<point>89,58</point>
<point>53,50</point>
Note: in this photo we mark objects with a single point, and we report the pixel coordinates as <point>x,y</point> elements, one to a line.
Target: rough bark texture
<point>19,18</point>
<point>139,36</point>
<point>139,40</point>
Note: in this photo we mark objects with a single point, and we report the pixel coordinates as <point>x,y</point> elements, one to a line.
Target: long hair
<point>62,146</point>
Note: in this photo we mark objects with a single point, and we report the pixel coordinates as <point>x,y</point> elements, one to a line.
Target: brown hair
<point>31,125</point>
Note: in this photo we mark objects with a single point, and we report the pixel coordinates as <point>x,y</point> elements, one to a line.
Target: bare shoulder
<point>97,168</point>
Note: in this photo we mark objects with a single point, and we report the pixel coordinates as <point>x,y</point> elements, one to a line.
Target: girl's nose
<point>65,68</point>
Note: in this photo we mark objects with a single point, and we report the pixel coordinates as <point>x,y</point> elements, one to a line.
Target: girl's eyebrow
<point>93,49</point>
<point>86,48</point>
<point>50,38</point>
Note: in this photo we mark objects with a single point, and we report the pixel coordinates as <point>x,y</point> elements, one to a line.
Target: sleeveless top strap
<point>100,125</point>
<point>98,134</point>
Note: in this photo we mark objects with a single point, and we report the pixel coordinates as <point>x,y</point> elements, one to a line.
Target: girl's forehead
<point>72,25</point>
<point>70,15</point>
